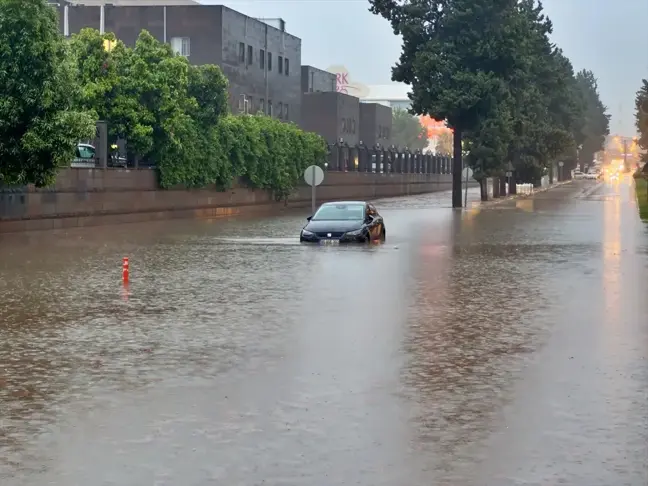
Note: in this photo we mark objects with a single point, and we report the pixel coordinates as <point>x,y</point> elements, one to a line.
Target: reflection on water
<point>612,258</point>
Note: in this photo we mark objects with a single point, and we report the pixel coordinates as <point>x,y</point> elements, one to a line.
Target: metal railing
<point>385,160</point>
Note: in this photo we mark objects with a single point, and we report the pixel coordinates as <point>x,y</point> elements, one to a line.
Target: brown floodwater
<point>503,345</point>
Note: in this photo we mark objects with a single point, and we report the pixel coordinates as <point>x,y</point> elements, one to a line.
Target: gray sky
<point>607,37</point>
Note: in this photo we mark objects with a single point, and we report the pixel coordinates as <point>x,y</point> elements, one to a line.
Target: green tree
<point>595,125</point>
<point>112,88</point>
<point>407,131</point>
<point>544,105</point>
<point>208,86</point>
<point>457,56</point>
<point>40,123</point>
<point>641,117</point>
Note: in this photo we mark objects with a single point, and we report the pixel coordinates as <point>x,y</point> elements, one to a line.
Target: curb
<point>502,200</point>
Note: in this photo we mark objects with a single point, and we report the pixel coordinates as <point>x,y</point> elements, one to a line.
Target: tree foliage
<point>40,118</point>
<point>489,69</point>
<point>595,125</point>
<point>641,116</point>
<point>407,131</point>
<point>175,115</point>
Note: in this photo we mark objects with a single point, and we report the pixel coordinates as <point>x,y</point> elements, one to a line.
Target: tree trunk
<point>551,173</point>
<point>502,184</point>
<point>457,166</point>
<point>483,189</point>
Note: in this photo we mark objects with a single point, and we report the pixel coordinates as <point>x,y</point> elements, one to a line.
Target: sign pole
<point>313,176</point>
<point>313,186</point>
<point>466,190</point>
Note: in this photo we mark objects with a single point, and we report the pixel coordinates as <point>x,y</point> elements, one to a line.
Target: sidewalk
<point>499,200</point>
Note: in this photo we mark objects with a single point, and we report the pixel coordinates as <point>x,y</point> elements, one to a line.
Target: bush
<point>641,189</point>
<point>257,150</point>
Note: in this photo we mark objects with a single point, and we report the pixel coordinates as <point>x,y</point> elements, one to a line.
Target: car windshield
<point>340,212</point>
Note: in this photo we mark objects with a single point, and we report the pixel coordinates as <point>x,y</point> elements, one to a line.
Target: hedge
<point>260,151</point>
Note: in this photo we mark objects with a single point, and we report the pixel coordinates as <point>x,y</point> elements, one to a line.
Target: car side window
<point>86,152</point>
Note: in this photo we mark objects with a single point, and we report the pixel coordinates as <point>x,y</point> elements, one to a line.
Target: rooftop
<point>387,92</point>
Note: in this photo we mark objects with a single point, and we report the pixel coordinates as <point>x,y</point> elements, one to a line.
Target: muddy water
<point>498,346</point>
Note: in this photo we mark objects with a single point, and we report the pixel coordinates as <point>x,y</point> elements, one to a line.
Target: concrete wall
<point>314,80</point>
<point>375,124</point>
<point>86,197</point>
<point>215,34</point>
<point>333,115</point>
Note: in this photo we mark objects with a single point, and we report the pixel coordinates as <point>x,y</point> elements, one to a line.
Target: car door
<point>378,220</point>
<point>375,225</point>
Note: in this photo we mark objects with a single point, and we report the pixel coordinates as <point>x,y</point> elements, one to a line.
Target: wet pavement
<point>504,345</point>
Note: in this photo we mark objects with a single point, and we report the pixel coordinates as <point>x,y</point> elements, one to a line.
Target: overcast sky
<point>608,37</point>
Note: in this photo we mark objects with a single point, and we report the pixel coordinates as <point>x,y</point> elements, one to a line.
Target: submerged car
<point>344,222</point>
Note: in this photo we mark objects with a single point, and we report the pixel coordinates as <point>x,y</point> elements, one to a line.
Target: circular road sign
<point>466,173</point>
<point>313,175</point>
<point>560,164</point>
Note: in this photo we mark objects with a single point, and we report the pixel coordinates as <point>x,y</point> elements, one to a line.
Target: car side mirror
<point>309,218</point>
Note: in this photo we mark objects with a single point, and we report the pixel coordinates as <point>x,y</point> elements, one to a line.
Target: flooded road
<point>505,345</point>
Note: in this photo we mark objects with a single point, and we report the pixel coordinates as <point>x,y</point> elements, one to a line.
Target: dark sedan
<point>344,222</point>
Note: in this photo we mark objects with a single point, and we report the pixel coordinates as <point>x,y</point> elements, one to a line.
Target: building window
<point>249,56</point>
<point>286,67</point>
<point>262,59</point>
<point>285,115</point>
<point>280,110</point>
<point>241,52</point>
<point>181,46</point>
<point>269,61</point>
<point>269,107</point>
<point>280,64</point>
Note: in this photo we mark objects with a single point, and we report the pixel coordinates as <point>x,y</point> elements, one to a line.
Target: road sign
<point>509,174</point>
<point>466,173</point>
<point>560,164</point>
<point>313,175</point>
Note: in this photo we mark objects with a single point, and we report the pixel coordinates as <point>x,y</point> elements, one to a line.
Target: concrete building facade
<point>262,62</point>
<point>375,124</point>
<point>314,80</point>
<point>335,116</point>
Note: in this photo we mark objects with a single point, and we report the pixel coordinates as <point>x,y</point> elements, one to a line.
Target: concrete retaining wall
<point>87,197</point>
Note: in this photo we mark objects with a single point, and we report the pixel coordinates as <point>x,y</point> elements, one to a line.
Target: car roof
<point>335,203</point>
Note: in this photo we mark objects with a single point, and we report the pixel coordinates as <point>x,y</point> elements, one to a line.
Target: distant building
<point>262,62</point>
<point>334,116</point>
<point>375,124</point>
<point>393,95</point>
<point>315,80</point>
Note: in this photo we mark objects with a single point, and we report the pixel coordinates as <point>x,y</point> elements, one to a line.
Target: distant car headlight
<point>354,233</point>
<point>307,233</point>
